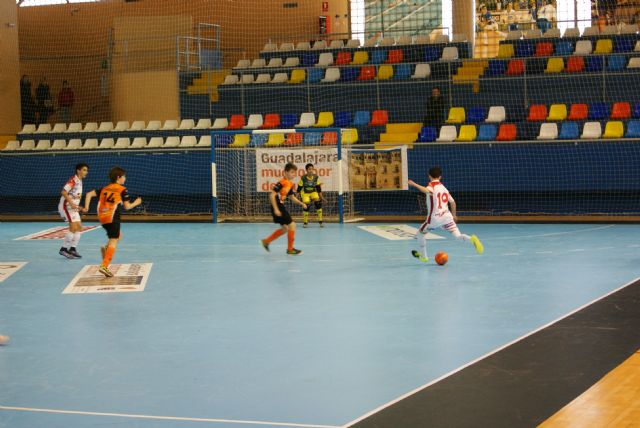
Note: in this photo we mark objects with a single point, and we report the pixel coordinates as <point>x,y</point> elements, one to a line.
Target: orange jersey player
<point>283,188</point>
<point>110,198</point>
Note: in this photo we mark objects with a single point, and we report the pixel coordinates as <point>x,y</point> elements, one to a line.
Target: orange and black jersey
<point>283,188</point>
<point>110,198</point>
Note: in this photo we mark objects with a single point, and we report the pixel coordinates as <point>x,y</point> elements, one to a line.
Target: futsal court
<point>228,335</point>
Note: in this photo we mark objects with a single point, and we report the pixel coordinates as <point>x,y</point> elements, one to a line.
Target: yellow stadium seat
<point>275,140</point>
<point>555,65</point>
<point>400,128</point>
<point>385,72</point>
<point>408,137</point>
<point>467,133</point>
<point>240,140</point>
<point>349,136</point>
<point>557,112</point>
<point>505,51</point>
<point>613,129</point>
<point>360,57</point>
<point>298,75</point>
<point>604,46</point>
<point>325,119</point>
<point>456,115</point>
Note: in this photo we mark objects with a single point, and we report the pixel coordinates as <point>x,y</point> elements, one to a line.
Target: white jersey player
<point>69,208</point>
<point>439,215</point>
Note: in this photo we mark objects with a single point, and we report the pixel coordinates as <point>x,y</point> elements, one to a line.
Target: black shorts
<point>113,230</point>
<point>284,219</point>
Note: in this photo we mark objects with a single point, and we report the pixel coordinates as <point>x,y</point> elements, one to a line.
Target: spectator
<point>485,20</point>
<point>435,109</point>
<point>510,18</point>
<point>66,99</point>
<point>27,104</point>
<point>44,101</point>
<point>547,11</point>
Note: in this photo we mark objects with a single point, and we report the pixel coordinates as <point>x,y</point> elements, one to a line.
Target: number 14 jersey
<point>110,199</point>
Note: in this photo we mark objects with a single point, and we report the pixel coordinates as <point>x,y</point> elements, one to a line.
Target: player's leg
<point>4,340</point>
<point>279,232</point>
<point>113,233</point>
<point>68,236</point>
<point>317,202</point>
<point>421,255</point>
<point>75,228</point>
<point>473,239</point>
<point>291,236</point>
<point>305,211</point>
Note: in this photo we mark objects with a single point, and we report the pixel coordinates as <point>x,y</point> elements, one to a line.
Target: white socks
<point>422,241</point>
<point>68,238</point>
<point>75,240</point>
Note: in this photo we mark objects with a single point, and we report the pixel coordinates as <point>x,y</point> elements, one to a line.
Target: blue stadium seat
<point>569,131</point>
<point>223,140</point>
<point>636,111</point>
<point>348,74</point>
<point>564,48</point>
<point>311,138</point>
<point>616,62</point>
<point>594,63</point>
<point>524,49</point>
<point>476,114</point>
<point>623,44</point>
<point>378,56</point>
<point>633,129</point>
<point>487,132</point>
<point>315,75</point>
<point>432,53</point>
<point>496,67</point>
<point>427,134</point>
<point>402,72</point>
<point>309,59</point>
<point>288,120</point>
<point>342,119</point>
<point>598,111</point>
<point>258,140</point>
<point>362,118</point>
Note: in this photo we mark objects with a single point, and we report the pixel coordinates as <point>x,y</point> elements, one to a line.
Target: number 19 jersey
<point>438,214</point>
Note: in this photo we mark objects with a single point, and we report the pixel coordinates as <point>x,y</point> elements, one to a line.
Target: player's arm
<point>65,195</point>
<point>272,200</point>
<point>319,190</point>
<point>423,189</point>
<point>87,199</point>
<point>452,204</point>
<point>126,201</point>
<point>298,201</point>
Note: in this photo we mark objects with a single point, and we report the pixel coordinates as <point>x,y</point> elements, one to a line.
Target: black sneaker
<point>321,225</point>
<point>74,253</point>
<point>65,253</point>
<point>265,244</point>
<point>294,252</point>
<point>305,225</point>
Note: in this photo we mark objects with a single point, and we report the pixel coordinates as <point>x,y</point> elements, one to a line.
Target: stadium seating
<point>598,111</point>
<point>385,72</point>
<point>137,125</point>
<point>613,129</point>
<point>524,50</point>
<point>12,145</point>
<point>557,112</point>
<point>329,138</point>
<point>621,110</point>
<point>203,124</point>
<point>315,75</point>
<point>537,113</point>
<point>62,127</point>
<point>292,61</point>
<point>342,119</point>
<point>633,129</point>
<point>427,134</point>
<point>496,114</point>
<point>583,47</point>
<point>487,132</point>
<point>634,62</point>
<point>456,115</point>
<point>367,72</point>
<point>378,57</point>
<point>349,136</point>
<point>254,122</point>
<point>336,44</point>
<point>325,59</point>
<point>288,120</point>
<point>467,133</point>
<point>515,67</point>
<point>204,141</point>
<point>240,140</point>
<point>259,63</point>
<point>564,48</point>
<point>544,49</point>
<point>271,121</point>
<point>262,78</point>
<point>594,63</point>
<point>343,58</point>
<point>360,57</point>
<point>569,131</point>
<point>554,65</point>
<point>591,130</point>
<point>221,123</point>
<point>431,54</point>
<point>507,132</point>
<point>571,32</point>
<point>138,143</point>
<point>59,145</point>
<point>578,112</point>
<point>236,122</point>
<point>43,145</point>
<point>496,67</point>
<point>476,115</point>
<point>280,78</point>
<point>395,56</point>
<point>92,144</point>
<point>604,46</point>
<point>293,139</point>
<point>331,75</point>
<point>449,53</point>
<point>505,51</point>
<point>172,141</point>
<point>379,118</point>
<point>154,142</point>
<point>575,64</point>
<point>169,125</point>
<point>122,143</point>
<point>616,62</point>
<point>548,131</point>
<point>422,71</point>
<point>298,75</point>
<point>275,140</point>
<point>325,119</point>
<point>188,141</point>
<point>402,72</point>
<point>447,134</point>
<point>636,110</point>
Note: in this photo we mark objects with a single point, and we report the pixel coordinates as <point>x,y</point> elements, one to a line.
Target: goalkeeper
<point>310,191</point>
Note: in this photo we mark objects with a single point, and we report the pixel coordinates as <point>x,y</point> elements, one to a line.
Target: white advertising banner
<point>270,166</point>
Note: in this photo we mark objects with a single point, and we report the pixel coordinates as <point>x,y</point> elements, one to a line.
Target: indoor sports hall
<point>319,214</point>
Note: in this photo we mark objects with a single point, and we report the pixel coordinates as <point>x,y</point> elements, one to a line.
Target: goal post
<point>245,163</point>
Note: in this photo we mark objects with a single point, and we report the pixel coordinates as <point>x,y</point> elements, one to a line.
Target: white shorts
<point>69,215</point>
<point>445,221</point>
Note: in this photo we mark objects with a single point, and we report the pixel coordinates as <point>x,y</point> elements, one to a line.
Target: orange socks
<point>290,237</point>
<point>275,235</point>
<point>108,256</point>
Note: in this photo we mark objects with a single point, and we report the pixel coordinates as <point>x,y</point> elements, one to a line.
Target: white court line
<point>542,235</point>
<point>454,371</point>
<point>166,418</point>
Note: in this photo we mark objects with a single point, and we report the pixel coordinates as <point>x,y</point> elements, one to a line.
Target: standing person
<point>111,197</point>
<point>66,98</point>
<point>27,104</point>
<point>283,188</point>
<point>439,216</point>
<point>4,340</point>
<point>510,18</point>
<point>435,109</point>
<point>310,190</point>
<point>43,100</point>
<point>70,209</point>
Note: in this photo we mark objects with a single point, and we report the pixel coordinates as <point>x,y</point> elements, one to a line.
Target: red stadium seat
<point>329,138</point>
<point>343,58</point>
<point>537,113</point>
<point>379,118</point>
<point>575,64</point>
<point>395,56</point>
<point>236,121</point>
<point>621,111</point>
<point>271,121</point>
<point>507,132</point>
<point>368,72</point>
<point>293,139</point>
<point>516,66</point>
<point>578,112</point>
<point>544,49</point>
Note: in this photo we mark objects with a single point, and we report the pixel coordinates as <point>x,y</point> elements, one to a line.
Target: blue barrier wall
<point>495,178</point>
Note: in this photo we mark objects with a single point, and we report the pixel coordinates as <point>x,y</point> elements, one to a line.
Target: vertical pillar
<point>464,17</point>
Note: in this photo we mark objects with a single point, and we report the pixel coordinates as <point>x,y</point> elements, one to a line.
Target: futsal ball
<point>442,258</point>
